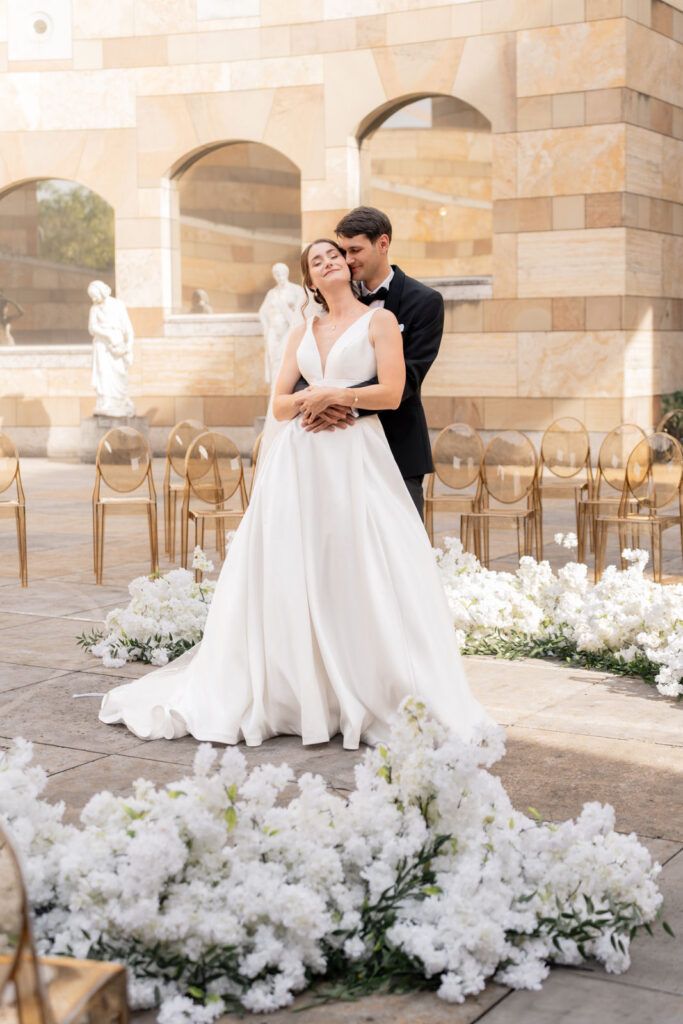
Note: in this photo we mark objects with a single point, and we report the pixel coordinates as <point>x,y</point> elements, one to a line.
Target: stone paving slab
<point>558,772</point>
<point>47,713</point>
<point>54,760</point>
<point>571,996</point>
<point>12,677</point>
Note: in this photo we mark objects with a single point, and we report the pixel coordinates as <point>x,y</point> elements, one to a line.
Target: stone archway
<point>238,210</point>
<point>427,162</point>
<point>55,237</point>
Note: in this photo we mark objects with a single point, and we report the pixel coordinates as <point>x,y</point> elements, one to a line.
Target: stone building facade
<point>584,103</point>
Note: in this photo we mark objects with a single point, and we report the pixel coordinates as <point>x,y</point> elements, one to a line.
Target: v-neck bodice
<point>350,360</point>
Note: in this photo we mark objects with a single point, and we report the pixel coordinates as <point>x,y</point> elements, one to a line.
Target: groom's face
<point>365,258</point>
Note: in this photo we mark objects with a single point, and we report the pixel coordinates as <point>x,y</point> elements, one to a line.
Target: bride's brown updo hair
<point>306,272</point>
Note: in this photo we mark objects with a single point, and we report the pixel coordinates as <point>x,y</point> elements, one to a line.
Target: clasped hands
<point>320,409</point>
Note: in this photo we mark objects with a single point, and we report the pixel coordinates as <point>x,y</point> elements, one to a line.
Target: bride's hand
<point>313,401</point>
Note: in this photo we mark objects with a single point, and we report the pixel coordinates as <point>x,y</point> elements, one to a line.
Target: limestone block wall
<point>584,100</point>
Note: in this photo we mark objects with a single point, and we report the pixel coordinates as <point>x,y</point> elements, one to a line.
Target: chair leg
<point>172,516</point>
<point>184,529</point>
<point>581,531</point>
<point>153,538</point>
<point>100,545</point>
<point>21,544</point>
<point>600,545</point>
<point>656,552</point>
<point>167,520</point>
<point>485,530</point>
<point>429,522</point>
<point>95,539</point>
<point>198,540</point>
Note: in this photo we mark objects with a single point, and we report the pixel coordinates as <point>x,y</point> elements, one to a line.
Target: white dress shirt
<point>377,303</point>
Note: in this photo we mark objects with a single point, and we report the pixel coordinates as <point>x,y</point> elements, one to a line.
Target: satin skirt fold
<point>328,611</point>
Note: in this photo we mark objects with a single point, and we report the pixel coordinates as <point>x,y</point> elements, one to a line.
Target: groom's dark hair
<point>364,220</point>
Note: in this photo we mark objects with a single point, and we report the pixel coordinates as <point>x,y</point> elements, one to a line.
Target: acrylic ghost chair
<point>179,440</point>
<point>14,508</point>
<point>48,990</point>
<point>654,474</point>
<point>672,424</point>
<point>608,486</point>
<point>457,453</point>
<point>213,475</point>
<point>509,475</point>
<point>123,464</point>
<point>565,465</point>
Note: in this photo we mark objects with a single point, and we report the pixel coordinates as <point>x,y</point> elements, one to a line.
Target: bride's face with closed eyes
<point>326,265</point>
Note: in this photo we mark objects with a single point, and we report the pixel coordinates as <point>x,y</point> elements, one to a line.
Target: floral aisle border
<point>624,624</point>
<point>218,895</point>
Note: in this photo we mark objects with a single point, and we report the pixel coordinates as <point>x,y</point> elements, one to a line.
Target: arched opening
<point>427,163</point>
<point>55,237</point>
<point>239,207</point>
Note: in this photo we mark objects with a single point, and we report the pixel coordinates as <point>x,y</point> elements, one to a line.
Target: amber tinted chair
<point>254,462</point>
<point>654,473</point>
<point>179,440</point>
<point>14,508</point>
<point>509,475</point>
<point>672,424</point>
<point>457,455</point>
<point>607,492</point>
<point>565,463</point>
<point>213,475</point>
<point>123,464</point>
<point>48,990</point>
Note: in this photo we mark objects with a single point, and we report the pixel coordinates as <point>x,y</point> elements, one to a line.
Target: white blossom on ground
<point>624,614</point>
<point>217,893</point>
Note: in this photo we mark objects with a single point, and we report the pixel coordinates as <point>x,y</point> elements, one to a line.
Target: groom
<point>365,234</point>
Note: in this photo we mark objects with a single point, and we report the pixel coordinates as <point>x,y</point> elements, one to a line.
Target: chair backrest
<point>565,448</point>
<point>9,461</point>
<point>13,912</point>
<point>654,471</point>
<point>213,468</point>
<point>457,455</point>
<point>179,440</point>
<point>123,459</point>
<point>509,467</point>
<point>672,424</point>
<point>614,453</point>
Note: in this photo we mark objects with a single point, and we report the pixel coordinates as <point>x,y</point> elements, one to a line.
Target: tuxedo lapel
<point>393,299</point>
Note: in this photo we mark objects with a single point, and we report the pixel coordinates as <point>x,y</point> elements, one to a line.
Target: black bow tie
<point>369,297</point>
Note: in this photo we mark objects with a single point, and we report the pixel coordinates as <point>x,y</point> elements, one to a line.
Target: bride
<point>328,611</point>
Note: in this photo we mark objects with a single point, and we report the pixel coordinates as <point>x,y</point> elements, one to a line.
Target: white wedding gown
<point>328,611</point>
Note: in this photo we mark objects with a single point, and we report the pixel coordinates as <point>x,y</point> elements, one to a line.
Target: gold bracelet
<point>355,398</point>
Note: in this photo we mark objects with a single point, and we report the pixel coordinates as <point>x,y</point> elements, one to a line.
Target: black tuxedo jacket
<point>419,311</point>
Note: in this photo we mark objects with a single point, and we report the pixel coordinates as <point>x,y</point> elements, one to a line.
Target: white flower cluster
<point>624,614</point>
<point>165,617</point>
<point>217,893</point>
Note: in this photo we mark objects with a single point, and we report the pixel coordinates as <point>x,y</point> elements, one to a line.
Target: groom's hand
<point>334,417</point>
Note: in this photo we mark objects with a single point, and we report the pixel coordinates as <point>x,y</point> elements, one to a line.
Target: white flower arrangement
<point>624,623</point>
<point>165,617</point>
<point>218,895</point>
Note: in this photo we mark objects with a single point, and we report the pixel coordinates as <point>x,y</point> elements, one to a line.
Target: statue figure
<point>112,355</point>
<point>200,302</point>
<point>279,312</point>
<point>6,318</point>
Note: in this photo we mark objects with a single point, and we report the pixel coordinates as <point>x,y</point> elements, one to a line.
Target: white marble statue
<point>279,312</point>
<point>112,351</point>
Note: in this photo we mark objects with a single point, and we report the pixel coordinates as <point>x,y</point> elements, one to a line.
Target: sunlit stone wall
<point>584,102</point>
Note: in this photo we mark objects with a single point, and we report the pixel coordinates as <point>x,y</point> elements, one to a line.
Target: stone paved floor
<point>572,736</point>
